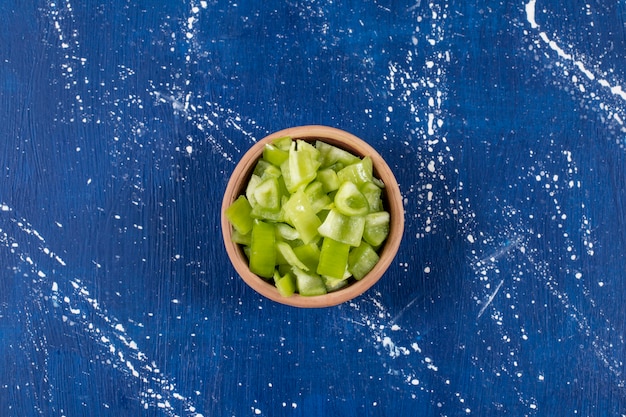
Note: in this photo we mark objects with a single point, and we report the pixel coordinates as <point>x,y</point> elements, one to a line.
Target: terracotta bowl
<point>392,200</point>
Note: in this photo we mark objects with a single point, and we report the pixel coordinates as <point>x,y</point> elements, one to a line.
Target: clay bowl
<point>392,200</point>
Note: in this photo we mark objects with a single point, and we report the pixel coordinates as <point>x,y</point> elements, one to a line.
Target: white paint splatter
<point>490,299</point>
<point>531,17</point>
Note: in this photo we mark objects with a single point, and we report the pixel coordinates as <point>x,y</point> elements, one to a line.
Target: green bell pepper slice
<point>263,249</point>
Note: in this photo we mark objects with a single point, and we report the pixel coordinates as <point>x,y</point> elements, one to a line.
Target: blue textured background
<point>121,121</point>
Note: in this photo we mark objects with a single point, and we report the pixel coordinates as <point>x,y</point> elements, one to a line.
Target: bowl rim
<point>394,201</point>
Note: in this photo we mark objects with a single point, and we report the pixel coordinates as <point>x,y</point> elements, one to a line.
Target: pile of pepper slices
<point>312,217</point>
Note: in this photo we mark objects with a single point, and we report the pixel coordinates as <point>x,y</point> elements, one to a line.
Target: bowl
<point>392,201</point>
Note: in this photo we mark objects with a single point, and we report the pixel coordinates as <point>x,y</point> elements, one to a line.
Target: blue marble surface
<point>504,123</point>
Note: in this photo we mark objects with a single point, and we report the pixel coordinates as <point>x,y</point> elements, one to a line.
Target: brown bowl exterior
<point>391,195</point>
